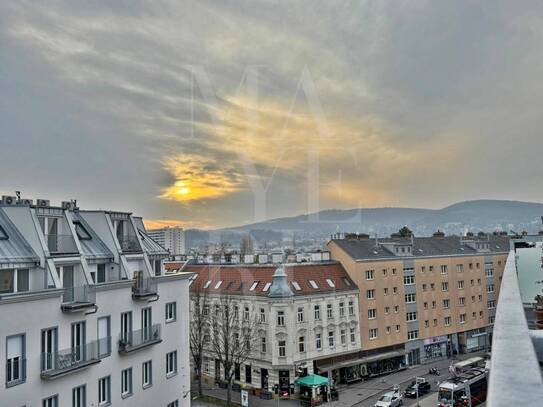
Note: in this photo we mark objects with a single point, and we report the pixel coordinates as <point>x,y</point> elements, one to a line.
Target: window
<point>16,363</point>
<point>370,294</point>
<point>126,326</point>
<point>473,315</point>
<point>396,309</point>
<point>412,335</point>
<point>6,281</point>
<point>104,391</point>
<point>411,316</point>
<point>217,285</point>
<point>387,330</point>
<point>245,313</point>
<point>446,304</point>
<point>427,324</point>
<point>385,290</point>
<point>351,308</point>
<point>472,282</point>
<point>490,288</point>
<point>489,272</point>
<point>460,284</point>
<point>369,274</point>
<point>341,309</point>
<point>173,404</point>
<point>347,282</point>
<point>372,313</point>
<point>410,298</point>
<point>101,273</point>
<point>491,319</point>
<point>301,344</point>
<point>104,336</point>
<point>248,374</point>
<point>329,311</point>
<point>207,284</point>
<point>432,286</point>
<point>262,315</point>
<point>296,286</point>
<point>50,401</point>
<point>373,333</point>
<point>385,272</point>
<point>266,287</point>
<point>443,269</point>
<point>300,314</point>
<point>444,286</point>
<point>236,311</point>
<point>171,311</point>
<point>462,318</point>
<point>424,287</point>
<point>331,339</point>
<point>318,341</point>
<point>313,284</point>
<point>282,349</point>
<point>353,335</point>
<point>460,268</point>
<point>263,347</point>
<point>409,280</point>
<point>3,234</point>
<point>81,231</point>
<point>126,382</point>
<point>447,321</point>
<point>462,300</point>
<point>330,283</point>
<point>79,396</point>
<point>395,290</point>
<point>491,304</point>
<point>343,336</point>
<point>147,374</point>
<point>423,269</point>
<point>431,268</point>
<point>393,271</point>
<point>255,284</point>
<point>478,281</point>
<point>472,298</point>
<point>434,304</point>
<point>397,328</point>
<point>171,363</point>
<point>480,298</point>
<point>281,318</point>
<point>425,305</point>
<point>317,311</point>
<point>387,310</point>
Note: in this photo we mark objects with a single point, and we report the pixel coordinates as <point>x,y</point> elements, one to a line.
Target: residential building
<point>306,312</point>
<point>88,318</point>
<point>438,292</point>
<point>171,238</point>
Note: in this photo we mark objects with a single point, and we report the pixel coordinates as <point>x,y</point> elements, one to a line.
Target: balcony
<point>61,244</point>
<point>58,364</point>
<point>15,371</point>
<point>144,287</point>
<point>129,244</point>
<point>79,298</point>
<point>139,339</point>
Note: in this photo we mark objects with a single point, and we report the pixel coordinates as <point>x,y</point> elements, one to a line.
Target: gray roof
<point>15,248</point>
<point>366,249</point>
<point>151,246</point>
<point>94,247</point>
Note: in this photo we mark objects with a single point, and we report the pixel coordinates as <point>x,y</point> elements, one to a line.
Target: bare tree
<point>199,331</point>
<point>233,335</point>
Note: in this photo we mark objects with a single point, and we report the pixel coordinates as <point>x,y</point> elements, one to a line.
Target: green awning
<point>312,380</point>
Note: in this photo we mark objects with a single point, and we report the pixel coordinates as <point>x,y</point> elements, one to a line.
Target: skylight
<point>218,285</point>
<point>347,282</point>
<point>3,234</point>
<point>253,286</point>
<point>81,232</point>
<point>313,284</point>
<point>207,284</point>
<point>330,283</point>
<point>296,286</point>
<point>266,287</point>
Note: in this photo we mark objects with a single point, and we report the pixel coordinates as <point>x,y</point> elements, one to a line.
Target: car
<point>390,399</point>
<point>422,386</point>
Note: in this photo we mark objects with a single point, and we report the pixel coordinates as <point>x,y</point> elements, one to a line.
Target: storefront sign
<point>436,339</point>
<point>244,398</point>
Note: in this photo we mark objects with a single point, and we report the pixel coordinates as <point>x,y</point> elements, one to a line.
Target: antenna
<point>18,193</point>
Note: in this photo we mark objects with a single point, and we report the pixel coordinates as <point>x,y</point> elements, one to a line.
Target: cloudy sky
<point>216,113</point>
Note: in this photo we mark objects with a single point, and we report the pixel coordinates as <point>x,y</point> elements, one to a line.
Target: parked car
<point>421,384</point>
<point>390,399</point>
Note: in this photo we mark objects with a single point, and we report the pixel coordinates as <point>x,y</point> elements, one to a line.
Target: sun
<point>181,188</point>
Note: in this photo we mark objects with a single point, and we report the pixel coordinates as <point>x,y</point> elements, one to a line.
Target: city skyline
<point>197,114</point>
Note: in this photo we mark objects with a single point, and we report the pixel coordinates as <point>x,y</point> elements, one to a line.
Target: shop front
<point>473,341</point>
<point>436,348</point>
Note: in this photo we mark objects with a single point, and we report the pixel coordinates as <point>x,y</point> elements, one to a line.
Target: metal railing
<point>84,294</point>
<point>139,338</point>
<point>515,376</point>
<point>15,371</point>
<point>144,286</point>
<point>129,244</point>
<point>61,244</point>
<point>55,363</point>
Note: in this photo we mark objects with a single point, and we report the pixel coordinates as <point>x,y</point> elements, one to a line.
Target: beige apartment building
<point>422,298</point>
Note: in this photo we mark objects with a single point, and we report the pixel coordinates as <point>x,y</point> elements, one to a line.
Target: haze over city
<point>179,110</point>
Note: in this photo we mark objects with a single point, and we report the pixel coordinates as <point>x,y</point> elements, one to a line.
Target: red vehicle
<point>468,389</point>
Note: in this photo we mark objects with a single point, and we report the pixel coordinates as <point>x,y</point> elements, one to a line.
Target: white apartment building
<point>306,312</point>
<point>87,317</point>
<point>171,238</point>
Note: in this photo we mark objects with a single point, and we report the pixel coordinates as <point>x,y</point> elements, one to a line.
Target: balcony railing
<point>15,371</point>
<point>139,339</point>
<point>61,244</point>
<point>65,361</point>
<point>515,376</point>
<point>144,287</point>
<point>129,244</point>
<point>78,298</point>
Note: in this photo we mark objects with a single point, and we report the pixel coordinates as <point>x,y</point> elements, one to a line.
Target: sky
<point>216,113</point>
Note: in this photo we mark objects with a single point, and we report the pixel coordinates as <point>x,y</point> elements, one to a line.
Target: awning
<point>367,359</point>
<point>312,380</point>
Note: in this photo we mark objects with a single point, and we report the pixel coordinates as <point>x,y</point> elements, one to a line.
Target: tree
<point>199,331</point>
<point>233,336</point>
<point>405,232</point>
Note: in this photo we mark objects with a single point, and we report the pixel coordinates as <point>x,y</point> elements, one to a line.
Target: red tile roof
<point>238,279</point>
<point>173,266</point>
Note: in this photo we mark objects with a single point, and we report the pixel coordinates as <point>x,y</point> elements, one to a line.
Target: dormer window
<point>3,234</point>
<point>81,232</point>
